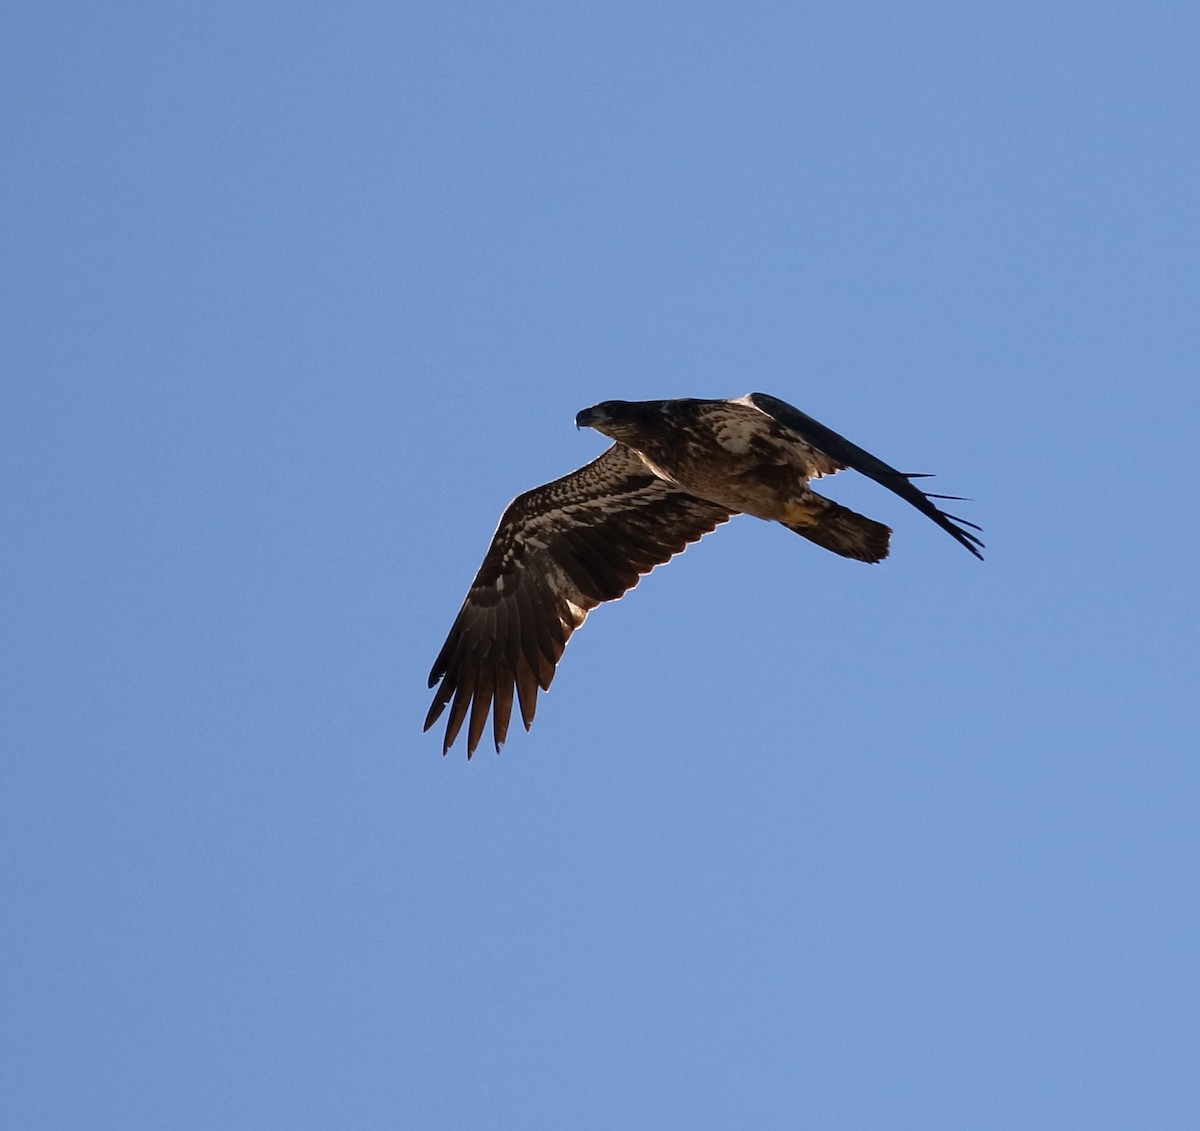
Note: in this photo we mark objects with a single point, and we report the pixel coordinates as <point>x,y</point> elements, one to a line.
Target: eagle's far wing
<point>559,551</point>
<point>853,457</point>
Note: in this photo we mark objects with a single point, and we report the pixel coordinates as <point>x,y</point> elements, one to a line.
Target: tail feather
<point>845,532</point>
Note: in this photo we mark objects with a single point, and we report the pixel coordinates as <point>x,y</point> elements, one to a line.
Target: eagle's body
<point>745,461</point>
<point>733,456</point>
<point>677,470</point>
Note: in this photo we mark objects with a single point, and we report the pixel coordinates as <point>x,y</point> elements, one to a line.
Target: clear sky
<point>296,297</point>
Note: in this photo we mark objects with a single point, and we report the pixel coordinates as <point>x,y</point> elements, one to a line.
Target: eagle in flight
<point>677,469</point>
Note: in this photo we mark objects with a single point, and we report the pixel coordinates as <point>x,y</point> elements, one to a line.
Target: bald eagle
<point>677,470</point>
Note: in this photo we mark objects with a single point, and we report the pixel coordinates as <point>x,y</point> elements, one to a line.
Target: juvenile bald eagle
<point>678,469</point>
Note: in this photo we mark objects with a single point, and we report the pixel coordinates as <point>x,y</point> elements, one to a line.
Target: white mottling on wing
<point>734,433</point>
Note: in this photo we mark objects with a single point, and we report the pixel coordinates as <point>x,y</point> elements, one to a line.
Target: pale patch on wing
<point>736,433</point>
<point>742,428</point>
<point>657,470</point>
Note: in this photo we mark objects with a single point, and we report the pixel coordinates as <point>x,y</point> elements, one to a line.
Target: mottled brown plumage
<point>678,469</point>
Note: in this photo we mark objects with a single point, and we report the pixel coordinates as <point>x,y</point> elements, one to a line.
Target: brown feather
<point>485,685</point>
<point>502,705</point>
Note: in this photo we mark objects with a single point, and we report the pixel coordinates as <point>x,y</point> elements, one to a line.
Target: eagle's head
<point>620,420</point>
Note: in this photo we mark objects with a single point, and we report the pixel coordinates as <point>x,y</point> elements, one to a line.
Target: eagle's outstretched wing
<point>560,550</point>
<point>853,457</point>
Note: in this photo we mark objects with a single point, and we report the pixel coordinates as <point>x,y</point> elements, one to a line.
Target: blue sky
<point>296,298</point>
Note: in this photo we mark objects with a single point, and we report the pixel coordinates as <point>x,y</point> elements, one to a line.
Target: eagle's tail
<point>841,530</point>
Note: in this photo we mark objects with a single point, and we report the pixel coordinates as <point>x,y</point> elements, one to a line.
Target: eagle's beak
<point>588,417</point>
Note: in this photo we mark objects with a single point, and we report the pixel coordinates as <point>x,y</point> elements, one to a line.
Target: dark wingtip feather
<point>502,706</point>
<point>463,694</point>
<point>436,708</point>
